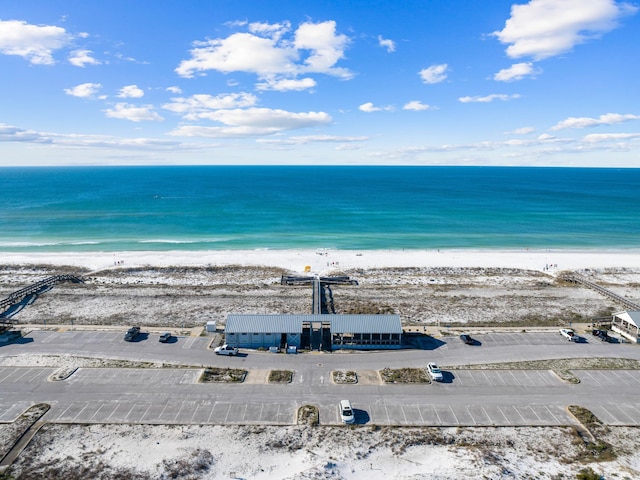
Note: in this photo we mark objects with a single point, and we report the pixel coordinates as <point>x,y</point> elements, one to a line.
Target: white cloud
<point>546,28</point>
<point>134,113</point>
<point>35,43</point>
<point>130,91</point>
<point>488,98</point>
<point>325,45</point>
<point>313,48</point>
<point>10,133</point>
<point>195,105</point>
<point>80,58</point>
<point>434,73</point>
<point>605,137</point>
<point>524,130</point>
<point>305,139</point>
<point>390,45</point>
<point>286,84</point>
<point>517,71</point>
<point>253,121</point>
<point>370,107</point>
<point>271,30</point>
<point>84,90</point>
<point>416,105</point>
<point>174,90</point>
<point>584,122</point>
<point>240,52</point>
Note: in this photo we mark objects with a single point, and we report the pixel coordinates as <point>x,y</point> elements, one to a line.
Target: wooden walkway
<point>579,279</point>
<point>17,297</point>
<point>320,304</point>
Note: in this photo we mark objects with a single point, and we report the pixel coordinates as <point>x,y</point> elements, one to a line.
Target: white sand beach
<point>323,260</point>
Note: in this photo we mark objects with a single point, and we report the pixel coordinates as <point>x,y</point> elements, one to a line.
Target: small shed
<point>627,324</point>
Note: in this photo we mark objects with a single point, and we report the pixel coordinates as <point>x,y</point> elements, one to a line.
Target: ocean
<point>84,209</point>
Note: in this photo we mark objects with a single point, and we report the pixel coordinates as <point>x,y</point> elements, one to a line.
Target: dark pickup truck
<point>602,335</point>
<point>131,334</point>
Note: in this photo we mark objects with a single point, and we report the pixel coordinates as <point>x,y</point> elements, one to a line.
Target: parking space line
<point>524,422</point>
<point>471,416</point>
<point>420,413</point>
<point>80,412</point>
<point>503,415</point>
<point>65,411</point>
<point>115,407</point>
<point>146,411</point>
<point>189,342</point>
<point>15,380</point>
<point>454,415</point>
<point>625,414</point>
<point>486,414</point>
<point>551,413</point>
<point>435,410</point>
<point>228,411</point>
<point>97,411</point>
<point>10,372</point>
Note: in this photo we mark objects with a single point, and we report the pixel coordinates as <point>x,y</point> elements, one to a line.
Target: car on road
<point>569,334</point>
<point>226,350</point>
<point>434,372</point>
<point>132,334</point>
<point>346,412</point>
<point>467,339</point>
<point>602,335</point>
<point>165,337</point>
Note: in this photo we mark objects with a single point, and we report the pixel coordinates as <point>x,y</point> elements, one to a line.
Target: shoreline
<point>320,261</point>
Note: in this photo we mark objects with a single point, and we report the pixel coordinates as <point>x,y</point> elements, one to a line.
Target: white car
<point>226,350</point>
<point>434,372</point>
<point>346,412</point>
<point>569,334</point>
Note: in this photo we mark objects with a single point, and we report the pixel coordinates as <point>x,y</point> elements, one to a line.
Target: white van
<point>346,412</point>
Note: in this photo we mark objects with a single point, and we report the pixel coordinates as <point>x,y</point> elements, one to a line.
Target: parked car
<point>602,335</point>
<point>467,339</point>
<point>569,334</point>
<point>434,372</point>
<point>226,350</point>
<point>165,337</point>
<point>346,412</point>
<point>132,334</point>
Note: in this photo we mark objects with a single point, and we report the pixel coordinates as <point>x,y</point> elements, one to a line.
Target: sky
<point>398,82</point>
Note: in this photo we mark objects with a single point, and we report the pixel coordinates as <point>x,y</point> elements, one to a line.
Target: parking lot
<point>173,395</point>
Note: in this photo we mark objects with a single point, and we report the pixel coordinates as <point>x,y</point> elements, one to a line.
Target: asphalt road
<point>466,397</point>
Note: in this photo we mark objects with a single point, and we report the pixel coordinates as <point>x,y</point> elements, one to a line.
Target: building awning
<point>632,318</point>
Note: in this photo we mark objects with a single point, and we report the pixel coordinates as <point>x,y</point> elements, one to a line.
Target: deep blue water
<point>214,207</point>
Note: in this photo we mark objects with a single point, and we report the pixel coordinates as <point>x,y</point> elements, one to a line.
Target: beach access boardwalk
<point>321,303</point>
<point>579,279</point>
<point>27,293</point>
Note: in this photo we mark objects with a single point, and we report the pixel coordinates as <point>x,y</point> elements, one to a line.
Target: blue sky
<point>431,82</point>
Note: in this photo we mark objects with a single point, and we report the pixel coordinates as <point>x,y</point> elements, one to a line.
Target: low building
<point>314,332</point>
<point>627,324</point>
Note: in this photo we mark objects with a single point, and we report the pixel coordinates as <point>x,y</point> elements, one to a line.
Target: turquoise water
<point>204,208</point>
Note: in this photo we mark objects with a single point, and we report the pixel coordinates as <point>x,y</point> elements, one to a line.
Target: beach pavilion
<point>627,324</point>
<point>314,332</point>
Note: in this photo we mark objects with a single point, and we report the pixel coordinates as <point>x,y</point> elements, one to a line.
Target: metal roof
<point>293,323</point>
<point>633,317</point>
